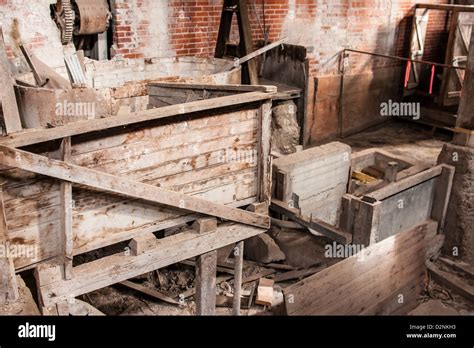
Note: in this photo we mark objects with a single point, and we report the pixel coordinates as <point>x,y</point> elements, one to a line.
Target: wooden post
<point>8,283</point>
<point>239,261</point>
<point>66,213</point>
<point>11,114</point>
<point>246,43</point>
<point>391,171</point>
<point>206,268</point>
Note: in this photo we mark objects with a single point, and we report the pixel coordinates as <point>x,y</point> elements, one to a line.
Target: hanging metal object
<point>81,17</point>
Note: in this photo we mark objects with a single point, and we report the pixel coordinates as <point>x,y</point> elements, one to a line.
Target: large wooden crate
<point>136,174</point>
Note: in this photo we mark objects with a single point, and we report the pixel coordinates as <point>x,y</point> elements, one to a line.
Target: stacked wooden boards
<point>314,180</point>
<point>197,152</point>
<point>385,278</point>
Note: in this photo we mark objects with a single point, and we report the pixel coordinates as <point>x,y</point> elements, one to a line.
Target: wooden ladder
<point>245,47</point>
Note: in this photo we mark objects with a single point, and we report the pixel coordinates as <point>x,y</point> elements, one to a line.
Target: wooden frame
<point>239,115</point>
<point>392,208</point>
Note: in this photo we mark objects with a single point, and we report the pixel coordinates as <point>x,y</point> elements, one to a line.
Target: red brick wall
<point>437,35</point>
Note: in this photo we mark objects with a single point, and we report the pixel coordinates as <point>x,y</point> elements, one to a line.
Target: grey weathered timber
<point>82,127</point>
<point>119,267</point>
<point>352,287</point>
<point>206,268</point>
<point>317,225</point>
<point>238,266</point>
<point>66,213</point>
<point>115,184</point>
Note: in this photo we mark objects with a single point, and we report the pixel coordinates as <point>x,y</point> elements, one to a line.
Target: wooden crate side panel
<point>211,157</point>
<point>406,209</point>
<point>355,285</point>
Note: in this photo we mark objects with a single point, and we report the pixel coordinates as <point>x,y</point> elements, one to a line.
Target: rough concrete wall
<point>459,228</point>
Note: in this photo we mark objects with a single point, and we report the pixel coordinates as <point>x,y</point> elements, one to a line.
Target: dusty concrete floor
<point>402,138</point>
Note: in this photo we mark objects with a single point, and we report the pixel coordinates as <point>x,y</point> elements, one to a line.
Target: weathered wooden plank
<point>238,273</point>
<point>446,7</point>
<point>246,42</point>
<point>206,268</point>
<point>451,281</point>
<point>264,159</point>
<point>8,284</point>
<point>197,86</point>
<point>82,127</point>
<point>111,183</point>
<point>146,133</point>
<point>442,195</point>
<point>119,267</point>
<point>66,213</point>
<point>317,225</point>
<point>353,287</point>
<point>150,292</point>
<point>11,114</point>
<point>405,183</point>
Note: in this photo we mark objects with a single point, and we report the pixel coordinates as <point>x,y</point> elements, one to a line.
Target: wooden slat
<point>82,127</point>
<point>246,42</point>
<point>264,159</point>
<point>8,283</point>
<point>150,292</point>
<point>115,184</point>
<point>451,281</point>
<point>225,88</point>
<point>66,213</point>
<point>317,225</point>
<point>11,114</point>
<point>353,287</point>
<point>447,7</point>
<point>405,183</point>
<point>206,268</point>
<point>119,267</point>
<point>442,195</point>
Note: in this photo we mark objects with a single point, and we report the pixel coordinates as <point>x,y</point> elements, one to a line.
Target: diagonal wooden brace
<point>111,183</point>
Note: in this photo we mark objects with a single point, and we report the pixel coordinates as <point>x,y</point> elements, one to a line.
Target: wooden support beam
<point>405,183</point>
<point>88,126</point>
<point>225,27</point>
<point>264,158</point>
<point>447,7</point>
<point>150,292</point>
<point>317,225</point>
<point>206,268</point>
<point>252,55</point>
<point>246,42</point>
<point>238,267</point>
<point>391,171</point>
<point>442,195</point>
<point>11,113</point>
<point>8,284</point>
<point>451,281</point>
<point>119,185</point>
<point>366,222</point>
<point>205,225</point>
<point>66,213</point>
<point>142,244</point>
<point>122,266</point>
